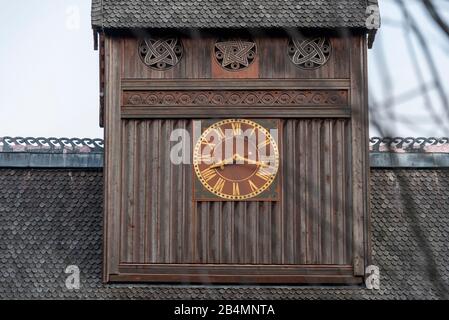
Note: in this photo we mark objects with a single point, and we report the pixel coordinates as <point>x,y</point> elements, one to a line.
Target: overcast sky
<point>49,71</point>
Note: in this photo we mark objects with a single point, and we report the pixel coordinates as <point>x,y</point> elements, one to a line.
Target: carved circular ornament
<point>161,53</point>
<point>309,53</point>
<point>247,171</point>
<point>235,54</point>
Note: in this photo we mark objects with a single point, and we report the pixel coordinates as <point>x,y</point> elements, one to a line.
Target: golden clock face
<point>236,159</point>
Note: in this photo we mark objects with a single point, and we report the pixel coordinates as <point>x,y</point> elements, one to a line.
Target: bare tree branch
<point>436,16</point>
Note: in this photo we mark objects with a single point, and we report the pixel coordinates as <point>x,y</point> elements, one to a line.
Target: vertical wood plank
<point>359,145</point>
<point>276,233</point>
<point>349,224</point>
<point>326,193</point>
<point>139,235</point>
<point>252,236</point>
<point>126,210</point>
<point>166,191</point>
<point>148,186</point>
<point>204,231</point>
<point>339,193</point>
<point>155,191</point>
<point>226,231</point>
<point>189,209</point>
<point>238,231</point>
<point>301,176</point>
<point>176,190</point>
<point>366,162</point>
<point>112,171</point>
<point>289,193</point>
<point>213,229</point>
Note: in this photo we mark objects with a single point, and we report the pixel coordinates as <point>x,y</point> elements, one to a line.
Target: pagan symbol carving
<point>309,53</point>
<point>161,54</point>
<point>235,55</point>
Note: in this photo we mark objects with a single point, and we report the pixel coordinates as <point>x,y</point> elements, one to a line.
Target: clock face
<point>236,159</point>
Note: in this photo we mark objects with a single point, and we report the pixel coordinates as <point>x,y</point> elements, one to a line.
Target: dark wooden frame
<point>276,185</point>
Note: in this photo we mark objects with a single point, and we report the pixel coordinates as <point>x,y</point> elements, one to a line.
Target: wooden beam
<point>262,274</point>
<point>238,279</point>
<point>360,163</point>
<point>236,112</point>
<point>229,84</point>
<point>112,170</point>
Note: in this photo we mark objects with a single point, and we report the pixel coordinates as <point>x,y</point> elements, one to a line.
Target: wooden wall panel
<point>275,63</point>
<point>316,191</point>
<point>112,183</point>
<point>159,224</point>
<point>195,63</point>
<point>359,105</point>
<point>155,203</point>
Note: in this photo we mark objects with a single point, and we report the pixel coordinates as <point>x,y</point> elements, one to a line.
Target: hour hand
<point>218,165</point>
<point>222,163</point>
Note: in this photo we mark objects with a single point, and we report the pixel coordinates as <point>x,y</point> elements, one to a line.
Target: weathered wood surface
<point>311,225</point>
<point>272,62</point>
<point>318,231</point>
<point>113,165</point>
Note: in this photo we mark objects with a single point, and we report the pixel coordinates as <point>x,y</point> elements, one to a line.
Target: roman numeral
<point>220,132</point>
<point>264,174</point>
<point>252,186</point>
<point>206,158</point>
<point>219,185</point>
<point>235,189</point>
<point>208,174</point>
<point>210,144</point>
<point>236,128</point>
<point>263,143</point>
<point>253,131</point>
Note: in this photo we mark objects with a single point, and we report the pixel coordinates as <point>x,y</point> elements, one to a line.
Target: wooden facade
<point>317,232</point>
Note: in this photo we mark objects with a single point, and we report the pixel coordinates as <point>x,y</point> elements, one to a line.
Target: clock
<point>236,160</point>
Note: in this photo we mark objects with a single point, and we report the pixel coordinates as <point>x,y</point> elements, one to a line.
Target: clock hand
<point>225,162</point>
<point>222,163</point>
<point>239,157</point>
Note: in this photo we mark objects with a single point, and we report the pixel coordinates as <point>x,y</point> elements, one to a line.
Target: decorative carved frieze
<point>235,97</point>
<point>235,55</point>
<point>161,53</point>
<point>309,53</point>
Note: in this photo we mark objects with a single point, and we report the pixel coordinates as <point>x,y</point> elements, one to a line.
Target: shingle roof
<point>229,13</point>
<point>50,219</point>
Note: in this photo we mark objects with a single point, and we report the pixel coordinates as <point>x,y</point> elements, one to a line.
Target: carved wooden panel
<point>309,53</point>
<point>235,55</point>
<point>235,98</point>
<point>271,61</point>
<point>160,53</point>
